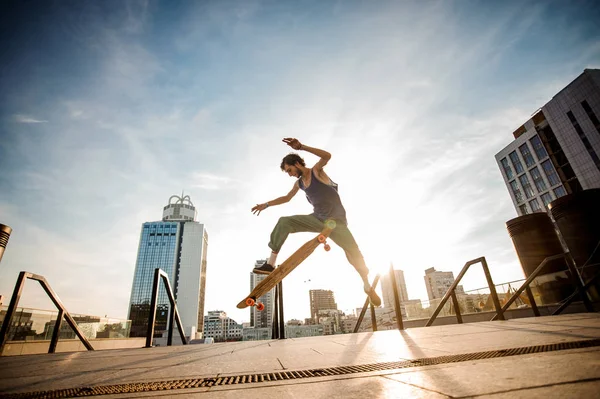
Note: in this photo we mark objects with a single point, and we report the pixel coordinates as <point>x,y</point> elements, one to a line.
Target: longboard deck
<point>286,267</point>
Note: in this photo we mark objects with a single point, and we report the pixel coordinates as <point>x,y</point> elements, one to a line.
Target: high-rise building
<point>437,283</point>
<point>177,245</point>
<point>264,318</point>
<point>557,151</point>
<point>388,289</point>
<point>321,300</point>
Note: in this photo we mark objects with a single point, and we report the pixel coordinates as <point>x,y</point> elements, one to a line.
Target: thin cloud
<point>28,119</point>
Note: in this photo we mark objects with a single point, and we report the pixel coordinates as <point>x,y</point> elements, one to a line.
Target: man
<point>322,193</point>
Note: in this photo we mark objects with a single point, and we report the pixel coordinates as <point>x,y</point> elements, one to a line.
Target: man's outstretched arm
<point>258,208</point>
<point>323,155</point>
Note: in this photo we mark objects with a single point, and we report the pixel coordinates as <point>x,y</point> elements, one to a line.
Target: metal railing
<point>62,312</point>
<point>364,310</point>
<point>580,288</point>
<point>173,315</point>
<point>451,293</point>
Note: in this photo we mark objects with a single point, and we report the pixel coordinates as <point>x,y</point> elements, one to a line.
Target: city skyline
<point>108,108</point>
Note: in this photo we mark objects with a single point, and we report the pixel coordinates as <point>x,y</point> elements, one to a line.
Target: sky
<point>109,108</point>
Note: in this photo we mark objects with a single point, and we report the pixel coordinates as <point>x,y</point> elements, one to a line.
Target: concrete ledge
<point>15,348</point>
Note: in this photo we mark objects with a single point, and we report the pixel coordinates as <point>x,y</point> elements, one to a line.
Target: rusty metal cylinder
<point>577,217</point>
<point>535,239</point>
<point>4,236</point>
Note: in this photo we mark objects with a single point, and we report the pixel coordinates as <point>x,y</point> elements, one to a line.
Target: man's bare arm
<point>258,208</point>
<point>323,155</point>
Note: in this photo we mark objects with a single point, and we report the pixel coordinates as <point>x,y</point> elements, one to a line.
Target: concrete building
<point>388,291</point>
<point>437,283</point>
<point>178,246</point>
<point>221,328</point>
<point>321,300</point>
<point>264,318</point>
<point>556,152</point>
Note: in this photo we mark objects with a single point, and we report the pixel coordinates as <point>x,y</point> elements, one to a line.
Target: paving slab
<point>577,369</point>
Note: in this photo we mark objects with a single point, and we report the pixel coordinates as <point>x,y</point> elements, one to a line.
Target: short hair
<point>291,159</point>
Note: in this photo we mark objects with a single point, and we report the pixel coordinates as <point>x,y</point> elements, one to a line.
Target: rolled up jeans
<point>341,235</point>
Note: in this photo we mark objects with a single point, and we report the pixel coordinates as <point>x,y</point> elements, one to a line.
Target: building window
<point>560,191</point>
<point>584,139</point>
<point>535,205</point>
<point>516,191</point>
<point>529,161</point>
<point>538,147</point>
<point>523,209</point>
<point>546,199</point>
<point>507,169</point>
<point>550,173</point>
<point>526,186</point>
<point>591,115</point>
<point>516,162</point>
<point>538,180</point>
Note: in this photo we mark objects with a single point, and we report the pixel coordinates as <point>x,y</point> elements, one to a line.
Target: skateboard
<point>286,267</point>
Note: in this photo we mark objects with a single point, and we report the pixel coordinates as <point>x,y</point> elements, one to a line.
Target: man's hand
<point>258,208</point>
<point>294,143</point>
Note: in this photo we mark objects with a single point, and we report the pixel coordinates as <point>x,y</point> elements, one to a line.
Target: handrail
<point>579,287</point>
<point>364,310</point>
<point>452,294</point>
<point>174,314</point>
<point>62,312</point>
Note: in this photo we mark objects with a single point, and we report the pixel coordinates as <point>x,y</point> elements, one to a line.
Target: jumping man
<point>322,193</point>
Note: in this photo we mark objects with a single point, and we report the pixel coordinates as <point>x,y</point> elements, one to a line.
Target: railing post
<point>275,322</point>
<point>173,306</point>
<point>373,318</point>
<point>56,332</point>
<point>488,277</point>
<point>152,312</point>
<point>396,298</point>
<point>281,322</point>
<point>534,307</point>
<point>456,308</point>
<point>10,312</point>
<point>579,286</point>
<point>364,308</point>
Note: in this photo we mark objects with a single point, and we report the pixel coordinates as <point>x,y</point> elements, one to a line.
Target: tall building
<point>264,318</point>
<point>556,152</point>
<point>388,289</point>
<point>437,283</point>
<point>177,245</point>
<point>321,300</point>
<point>221,328</point>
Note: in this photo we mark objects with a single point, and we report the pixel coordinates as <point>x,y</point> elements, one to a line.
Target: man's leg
<point>344,238</point>
<point>284,227</point>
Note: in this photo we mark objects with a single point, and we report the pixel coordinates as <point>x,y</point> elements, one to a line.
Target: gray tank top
<point>325,199</point>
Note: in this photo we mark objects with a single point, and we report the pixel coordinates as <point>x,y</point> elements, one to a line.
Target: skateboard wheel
<point>321,238</point>
<point>250,302</point>
<point>260,306</point>
<point>327,247</point>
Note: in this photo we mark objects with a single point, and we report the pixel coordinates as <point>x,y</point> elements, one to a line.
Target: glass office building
<point>556,152</point>
<point>177,245</point>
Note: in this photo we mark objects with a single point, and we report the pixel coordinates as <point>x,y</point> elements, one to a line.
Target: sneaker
<point>264,269</point>
<point>374,298</point>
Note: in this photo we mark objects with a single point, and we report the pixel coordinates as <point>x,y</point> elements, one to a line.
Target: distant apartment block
<point>321,300</point>
<point>557,151</point>
<point>438,282</point>
<point>388,289</point>
<point>221,328</point>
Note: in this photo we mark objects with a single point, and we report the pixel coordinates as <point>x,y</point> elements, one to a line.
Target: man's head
<point>290,165</point>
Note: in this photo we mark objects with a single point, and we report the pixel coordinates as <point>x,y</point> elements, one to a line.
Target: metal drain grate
<point>298,374</point>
